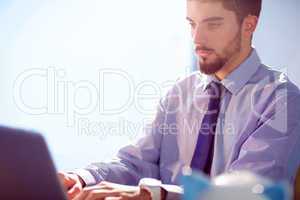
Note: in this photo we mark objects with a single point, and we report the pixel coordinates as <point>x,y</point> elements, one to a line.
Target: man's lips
<point>203,53</point>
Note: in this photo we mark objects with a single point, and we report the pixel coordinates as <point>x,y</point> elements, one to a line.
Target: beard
<point>212,67</point>
<point>217,61</point>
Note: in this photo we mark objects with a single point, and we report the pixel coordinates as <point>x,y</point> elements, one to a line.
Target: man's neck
<point>233,63</point>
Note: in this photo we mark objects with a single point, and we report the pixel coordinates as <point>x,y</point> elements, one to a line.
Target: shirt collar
<point>235,81</point>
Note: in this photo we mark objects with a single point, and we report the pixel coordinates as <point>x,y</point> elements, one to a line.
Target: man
<point>237,114</point>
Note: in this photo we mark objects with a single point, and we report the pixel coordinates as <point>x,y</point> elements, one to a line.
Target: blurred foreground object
<point>236,185</point>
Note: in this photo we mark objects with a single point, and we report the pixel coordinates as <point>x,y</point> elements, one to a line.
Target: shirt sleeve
<point>132,162</point>
<point>272,149</point>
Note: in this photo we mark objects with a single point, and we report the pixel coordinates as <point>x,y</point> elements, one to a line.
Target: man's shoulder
<point>268,78</point>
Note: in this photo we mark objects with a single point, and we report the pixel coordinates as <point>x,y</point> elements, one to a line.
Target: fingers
<point>143,194</point>
<point>112,191</point>
<point>71,183</point>
<point>97,194</point>
<point>101,185</point>
<point>68,180</point>
<point>113,198</point>
<point>63,178</point>
<point>74,191</point>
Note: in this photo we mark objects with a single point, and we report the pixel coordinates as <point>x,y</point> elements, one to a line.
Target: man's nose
<point>199,36</point>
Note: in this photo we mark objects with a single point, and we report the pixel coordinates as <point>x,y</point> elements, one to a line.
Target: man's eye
<point>214,25</point>
<point>192,24</point>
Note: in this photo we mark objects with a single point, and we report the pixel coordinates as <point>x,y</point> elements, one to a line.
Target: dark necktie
<point>203,155</point>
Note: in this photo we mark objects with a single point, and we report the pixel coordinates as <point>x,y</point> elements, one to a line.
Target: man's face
<point>216,33</point>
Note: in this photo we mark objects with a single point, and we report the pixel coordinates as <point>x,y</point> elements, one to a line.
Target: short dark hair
<point>242,8</point>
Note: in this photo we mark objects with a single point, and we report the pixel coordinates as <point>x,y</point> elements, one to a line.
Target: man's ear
<point>249,24</point>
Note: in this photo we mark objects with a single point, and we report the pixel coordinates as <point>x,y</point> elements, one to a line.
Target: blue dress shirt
<point>258,129</point>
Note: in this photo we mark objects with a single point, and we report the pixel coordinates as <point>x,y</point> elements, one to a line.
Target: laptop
<point>26,168</point>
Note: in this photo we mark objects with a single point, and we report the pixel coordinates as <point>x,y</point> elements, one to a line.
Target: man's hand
<point>112,191</point>
<point>72,183</point>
